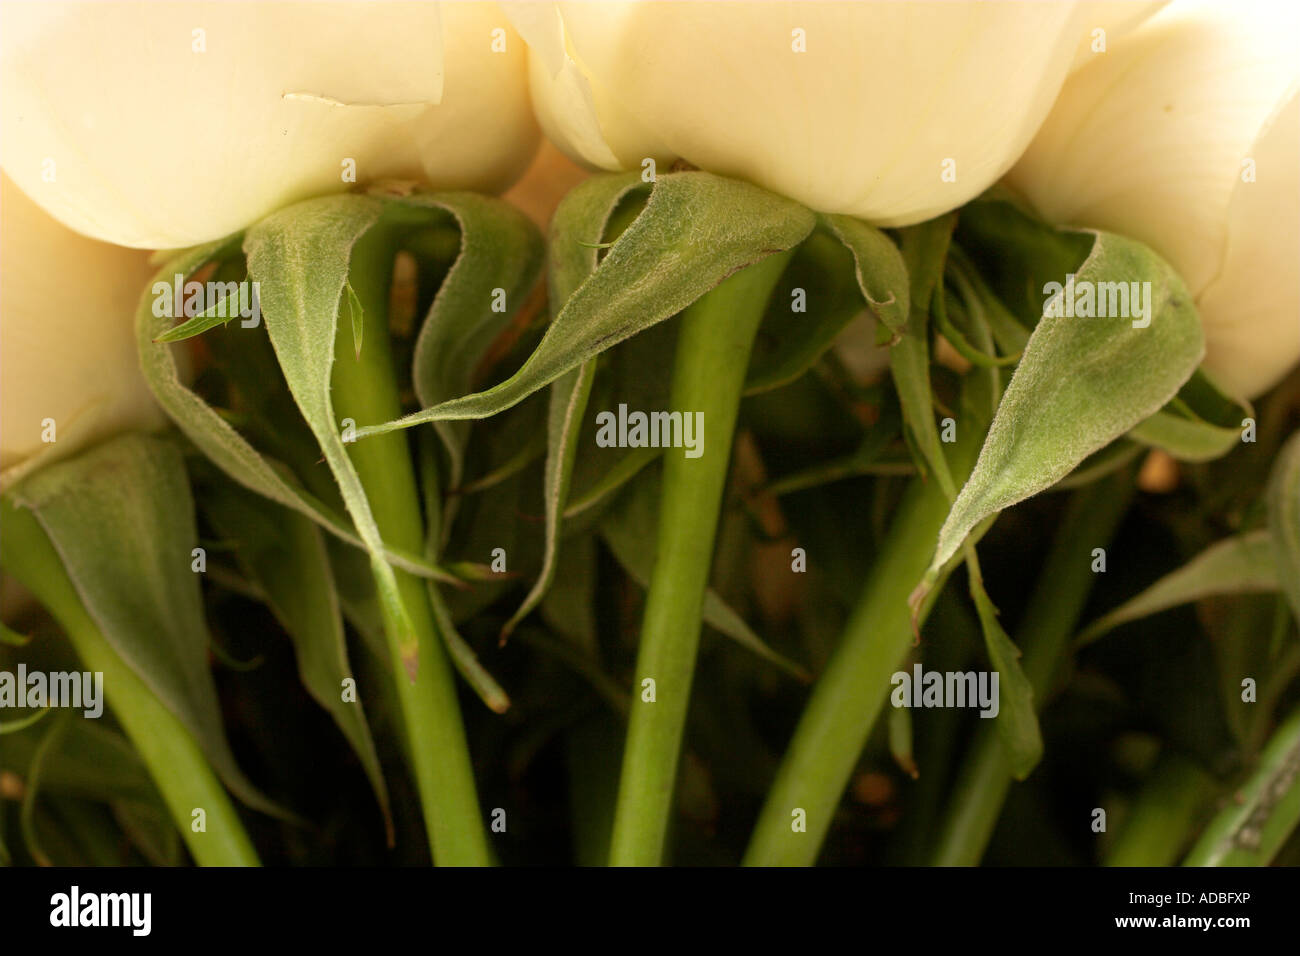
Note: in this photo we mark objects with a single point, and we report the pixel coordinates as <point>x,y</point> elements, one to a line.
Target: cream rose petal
<point>166,124</point>
<point>1251,309</point>
<point>67,340</point>
<point>863,121</point>
<point>1148,139</point>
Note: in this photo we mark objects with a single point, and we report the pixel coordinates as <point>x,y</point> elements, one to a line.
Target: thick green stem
<point>849,695</point>
<point>169,751</point>
<point>1264,811</point>
<point>365,389</point>
<point>713,347</point>
<point>1049,621</point>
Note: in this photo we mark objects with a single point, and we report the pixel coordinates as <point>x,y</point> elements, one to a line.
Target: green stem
<point>849,695</point>
<point>1263,813</point>
<point>365,389</point>
<point>713,347</point>
<point>1045,629</point>
<point>1164,814</point>
<point>174,759</point>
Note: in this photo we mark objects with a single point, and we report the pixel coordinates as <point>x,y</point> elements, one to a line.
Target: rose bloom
<point>162,125</point>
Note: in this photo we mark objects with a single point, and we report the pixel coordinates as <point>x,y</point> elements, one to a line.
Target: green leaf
<point>122,520</point>
<point>924,250</point>
<point>1284,519</point>
<point>463,657</point>
<point>1263,813</point>
<point>584,213</point>
<point>500,248</point>
<point>900,740</point>
<point>1081,384</point>
<point>357,315</point>
<point>1240,565</point>
<point>1199,424</point>
<point>879,267</point>
<point>696,230</point>
<point>1017,719</point>
<point>1016,253</point>
<point>284,554</point>
<point>1020,254</point>
<point>788,343</point>
<point>621,379</point>
<point>629,530</point>
<point>222,445</point>
<point>300,256</point>
<point>215,315</point>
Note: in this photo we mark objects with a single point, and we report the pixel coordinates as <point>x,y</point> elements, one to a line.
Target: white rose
<point>894,112</point>
<point>68,366</point>
<point>161,125</point>
<point>1186,135</point>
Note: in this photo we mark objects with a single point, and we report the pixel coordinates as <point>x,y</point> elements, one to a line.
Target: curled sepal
<point>695,231</point>
<point>222,444</point>
<point>1082,383</point>
<point>581,219</point>
<point>878,265</point>
<point>300,257</point>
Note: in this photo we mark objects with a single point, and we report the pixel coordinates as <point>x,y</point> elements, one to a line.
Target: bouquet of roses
<point>855,424</point>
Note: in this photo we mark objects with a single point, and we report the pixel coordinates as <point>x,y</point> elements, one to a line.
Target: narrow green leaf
<point>357,315</point>
<point>1284,519</point>
<point>222,445</point>
<point>957,338</point>
<point>1240,565</point>
<point>464,659</point>
<point>121,518</point>
<point>1082,383</point>
<point>924,250</point>
<point>284,554</point>
<point>215,315</point>
<point>585,212</point>
<point>984,307</point>
<point>696,230</point>
<point>1017,719</point>
<point>900,740</point>
<point>300,256</point>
